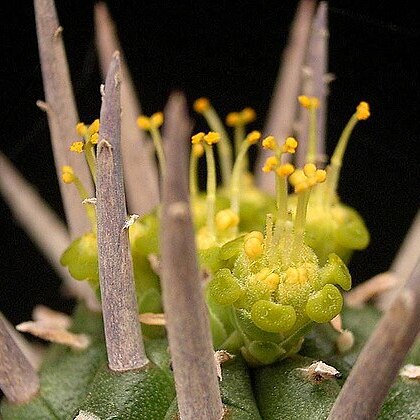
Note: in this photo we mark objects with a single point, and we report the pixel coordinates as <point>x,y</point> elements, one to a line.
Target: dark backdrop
<point>228,51</point>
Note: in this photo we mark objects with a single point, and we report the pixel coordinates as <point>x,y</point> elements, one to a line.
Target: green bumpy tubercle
<point>274,294</point>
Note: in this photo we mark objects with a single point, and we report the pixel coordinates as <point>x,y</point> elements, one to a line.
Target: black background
<point>228,51</point>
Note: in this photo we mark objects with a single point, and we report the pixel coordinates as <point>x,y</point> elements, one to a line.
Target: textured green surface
<point>73,381</point>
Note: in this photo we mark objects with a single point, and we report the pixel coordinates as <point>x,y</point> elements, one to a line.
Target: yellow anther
<point>261,275</point>
<point>285,170</point>
<point>292,275</point>
<point>81,129</point>
<point>211,137</point>
<point>253,247</point>
<point>272,281</point>
<point>248,115</point>
<point>197,138</point>
<point>289,145</point>
<point>362,111</point>
<point>226,219</point>
<point>308,101</point>
<point>156,120</point>
<point>67,174</point>
<point>201,105</point>
<point>320,175</point>
<point>309,169</point>
<point>77,147</point>
<point>94,138</point>
<point>94,127</point>
<point>291,142</point>
<point>302,186</point>
<point>233,119</point>
<point>204,239</point>
<point>197,149</point>
<point>297,177</point>
<point>144,122</point>
<point>303,275</point>
<point>270,164</point>
<point>255,234</point>
<point>269,143</point>
<point>253,137</point>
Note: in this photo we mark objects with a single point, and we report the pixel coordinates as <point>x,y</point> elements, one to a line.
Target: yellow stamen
<point>143,122</point>
<point>253,137</point>
<point>269,143</point>
<point>309,169</point>
<point>308,101</point>
<point>362,111</point>
<point>69,177</point>
<point>233,119</point>
<point>77,147</point>
<point>272,281</point>
<point>292,275</point>
<point>255,234</point>
<point>248,115</point>
<point>211,137</point>
<point>261,275</point>
<point>253,247</point>
<point>201,105</point>
<point>81,129</point>
<point>156,120</point>
<point>320,175</point>
<point>67,174</point>
<point>224,149</point>
<point>289,145</point>
<point>94,127</point>
<point>226,219</point>
<point>270,164</point>
<point>285,170</point>
<point>197,138</point>
<point>94,138</point>
<point>198,149</point>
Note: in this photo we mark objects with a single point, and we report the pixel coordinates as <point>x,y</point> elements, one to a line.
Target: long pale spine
<point>18,379</point>
<point>140,171</point>
<point>190,343</point>
<point>283,106</point>
<point>119,306</point>
<point>37,218</point>
<point>380,360</point>
<point>61,112</point>
<point>316,75</point>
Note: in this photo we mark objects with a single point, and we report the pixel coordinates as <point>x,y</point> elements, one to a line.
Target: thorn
<point>58,32</point>
<point>130,221</point>
<point>54,334</point>
<point>150,318</point>
<point>370,289</point>
<point>51,318</point>
<point>102,90</point>
<point>319,372</point>
<point>221,356</point>
<point>154,263</point>
<point>90,201</point>
<point>410,372</point>
<point>85,415</point>
<point>43,106</point>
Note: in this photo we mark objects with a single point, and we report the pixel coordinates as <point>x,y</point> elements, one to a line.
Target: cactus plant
<point>239,290</point>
